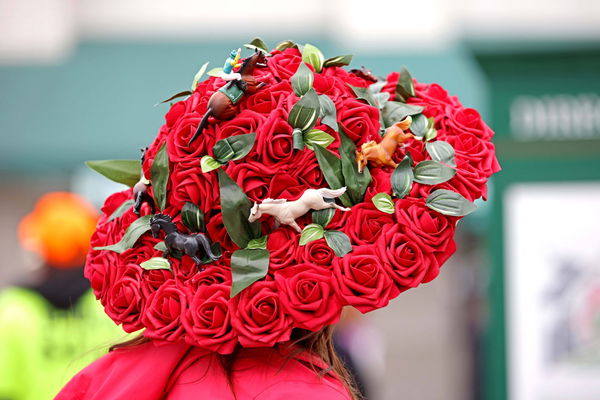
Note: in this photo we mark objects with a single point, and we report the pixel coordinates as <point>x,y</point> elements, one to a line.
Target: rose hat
<point>302,127</point>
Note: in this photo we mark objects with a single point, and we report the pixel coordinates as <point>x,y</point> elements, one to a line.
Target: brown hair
<point>319,343</point>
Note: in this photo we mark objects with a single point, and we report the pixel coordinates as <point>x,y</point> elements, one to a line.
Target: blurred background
<point>515,313</point>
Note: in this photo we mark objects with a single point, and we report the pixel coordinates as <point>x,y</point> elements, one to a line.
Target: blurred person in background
<point>50,327</point>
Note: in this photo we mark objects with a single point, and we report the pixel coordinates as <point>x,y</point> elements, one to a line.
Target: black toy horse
<point>190,245</point>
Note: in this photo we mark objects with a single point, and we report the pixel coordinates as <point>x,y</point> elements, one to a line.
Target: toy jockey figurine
<point>233,62</point>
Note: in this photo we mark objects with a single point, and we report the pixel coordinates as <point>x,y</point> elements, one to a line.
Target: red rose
<point>189,183</point>
<point>153,149</point>
<point>361,280</point>
<point>366,223</point>
<point>142,251</point>
<point>433,231</point>
<point>124,300</point>
<point>164,309</point>
<point>468,120</point>
<point>258,316</point>
<point>215,273</point>
<point>480,154</point>
<point>274,145</point>
<point>246,121</point>
<point>468,182</point>
<point>306,168</point>
<point>181,133</point>
<point>359,120</point>
<point>101,271</point>
<point>114,201</point>
<point>217,232</point>
<point>269,99</point>
<point>380,182</point>
<point>153,279</point>
<point>330,86</point>
<point>285,64</point>
<point>316,252</point>
<point>308,296</point>
<point>253,177</point>
<point>112,231</point>
<point>284,185</point>
<point>282,244</point>
<point>404,260</point>
<point>435,94</point>
<point>207,321</point>
<point>342,75</point>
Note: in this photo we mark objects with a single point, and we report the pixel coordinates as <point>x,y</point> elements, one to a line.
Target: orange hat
<point>59,229</point>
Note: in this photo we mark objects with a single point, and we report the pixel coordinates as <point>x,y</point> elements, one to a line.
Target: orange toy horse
<point>380,154</point>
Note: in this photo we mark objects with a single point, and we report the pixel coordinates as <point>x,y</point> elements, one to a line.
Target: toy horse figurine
<point>221,104</point>
<point>286,212</point>
<point>380,154</point>
<point>190,245</point>
<point>140,193</point>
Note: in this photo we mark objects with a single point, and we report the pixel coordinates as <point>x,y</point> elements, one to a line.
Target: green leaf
<point>260,243</point>
<point>235,207</point>
<point>381,99</point>
<point>313,56</point>
<point>286,44</point>
<point>303,79</point>
<point>248,266</point>
<point>419,125</point>
<point>156,263</point>
<point>394,111</point>
<point>297,139</point>
<point>328,112</point>
<point>364,94</point>
<point>441,151</point>
<point>207,163</point>
<point>316,137</point>
<point>160,246</point>
<point>405,87</point>
<point>383,202</point>
<point>402,178</point>
<point>257,44</point>
<point>355,182</point>
<point>430,134</point>
<point>323,217</point>
<point>160,176</point>
<point>121,210</point>
<point>216,72</point>
<point>198,76</point>
<point>192,217</point>
<point>338,61</point>
<point>126,172</point>
<point>432,172</point>
<point>450,203</point>
<point>177,95</point>
<point>339,242</point>
<point>305,112</point>
<point>132,234</point>
<point>234,147</point>
<point>311,232</point>
<point>331,166</point>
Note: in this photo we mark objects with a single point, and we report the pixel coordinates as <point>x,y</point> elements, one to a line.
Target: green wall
<point>99,103</point>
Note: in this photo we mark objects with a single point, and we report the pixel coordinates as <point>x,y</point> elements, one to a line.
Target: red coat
<point>179,371</point>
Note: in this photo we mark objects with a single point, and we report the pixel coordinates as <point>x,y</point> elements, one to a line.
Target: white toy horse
<point>286,212</point>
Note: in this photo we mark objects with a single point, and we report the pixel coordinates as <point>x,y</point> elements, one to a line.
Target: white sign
<point>552,267</point>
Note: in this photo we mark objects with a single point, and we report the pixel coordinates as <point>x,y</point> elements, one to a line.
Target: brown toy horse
<point>380,154</point>
<point>221,104</point>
